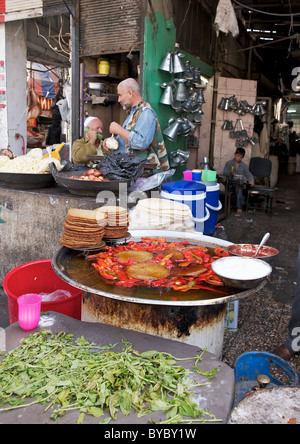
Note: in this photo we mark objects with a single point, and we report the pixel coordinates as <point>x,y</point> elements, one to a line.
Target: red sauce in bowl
<point>249,250</point>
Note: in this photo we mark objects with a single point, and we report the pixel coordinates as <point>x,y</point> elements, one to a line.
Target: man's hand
<point>115,128</point>
<point>92,135</point>
<point>104,147</point>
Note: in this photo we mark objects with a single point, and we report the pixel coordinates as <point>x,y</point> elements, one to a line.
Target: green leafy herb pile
<point>64,375</point>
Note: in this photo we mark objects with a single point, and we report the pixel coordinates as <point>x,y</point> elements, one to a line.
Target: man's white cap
<point>88,120</point>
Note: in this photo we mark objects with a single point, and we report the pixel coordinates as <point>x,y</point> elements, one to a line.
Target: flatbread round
<point>147,271</point>
<point>138,256</point>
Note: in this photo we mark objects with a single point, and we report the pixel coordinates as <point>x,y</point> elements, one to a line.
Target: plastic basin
<point>39,277</point>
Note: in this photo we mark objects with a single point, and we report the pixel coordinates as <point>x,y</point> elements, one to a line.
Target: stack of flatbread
<point>83,229</point>
<point>117,221</point>
<point>161,214</point>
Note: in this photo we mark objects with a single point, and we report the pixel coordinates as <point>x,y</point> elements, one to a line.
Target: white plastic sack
<point>226,20</point>
<point>57,295</point>
<point>64,110</point>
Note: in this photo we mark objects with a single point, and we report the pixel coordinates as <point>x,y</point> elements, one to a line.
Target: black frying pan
<point>85,188</point>
<point>26,181</point>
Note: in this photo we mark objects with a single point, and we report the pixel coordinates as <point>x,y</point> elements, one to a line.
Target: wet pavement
<point>263,318</point>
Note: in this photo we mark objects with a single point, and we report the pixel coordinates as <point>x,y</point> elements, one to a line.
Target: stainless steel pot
<point>98,86</point>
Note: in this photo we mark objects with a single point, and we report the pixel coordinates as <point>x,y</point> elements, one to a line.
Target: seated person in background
<point>234,168</point>
<point>90,144</point>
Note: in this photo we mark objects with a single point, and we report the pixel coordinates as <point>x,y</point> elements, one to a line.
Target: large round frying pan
<point>27,181</point>
<point>72,267</point>
<point>85,188</point>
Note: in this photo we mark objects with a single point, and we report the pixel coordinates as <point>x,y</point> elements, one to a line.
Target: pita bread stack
<point>161,214</point>
<point>117,221</point>
<point>83,229</point>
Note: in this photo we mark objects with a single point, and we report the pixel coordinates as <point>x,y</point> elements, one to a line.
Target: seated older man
<point>90,144</point>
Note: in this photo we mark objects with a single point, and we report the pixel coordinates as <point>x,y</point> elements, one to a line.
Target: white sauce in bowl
<point>241,268</point>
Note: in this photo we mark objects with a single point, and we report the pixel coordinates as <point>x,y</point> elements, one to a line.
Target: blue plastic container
<point>213,205</point>
<point>249,365</point>
<point>192,194</point>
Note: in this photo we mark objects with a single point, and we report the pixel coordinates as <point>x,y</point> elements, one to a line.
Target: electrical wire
<point>249,8</point>
<point>185,17</point>
<point>59,52</point>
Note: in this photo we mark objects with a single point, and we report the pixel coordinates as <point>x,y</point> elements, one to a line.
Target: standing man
<point>90,144</point>
<point>140,134</point>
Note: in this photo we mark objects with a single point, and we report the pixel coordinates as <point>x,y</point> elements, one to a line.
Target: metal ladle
<point>263,241</point>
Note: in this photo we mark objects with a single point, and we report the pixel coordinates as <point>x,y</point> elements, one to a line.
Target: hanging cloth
<point>226,20</point>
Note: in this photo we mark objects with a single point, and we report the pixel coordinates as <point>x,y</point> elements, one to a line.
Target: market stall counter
<point>215,396</point>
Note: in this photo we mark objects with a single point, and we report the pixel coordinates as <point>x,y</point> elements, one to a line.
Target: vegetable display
<point>92,175</point>
<point>31,163</point>
<point>64,375</point>
<point>154,262</point>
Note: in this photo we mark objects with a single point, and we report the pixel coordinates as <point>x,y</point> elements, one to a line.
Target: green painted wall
<point>159,38</point>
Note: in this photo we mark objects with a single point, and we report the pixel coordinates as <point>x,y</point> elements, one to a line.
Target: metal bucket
<point>277,405</point>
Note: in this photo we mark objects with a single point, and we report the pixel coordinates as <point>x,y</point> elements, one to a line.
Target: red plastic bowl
<point>249,250</point>
<point>39,277</point>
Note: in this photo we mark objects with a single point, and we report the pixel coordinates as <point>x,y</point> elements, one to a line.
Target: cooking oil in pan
<point>81,271</point>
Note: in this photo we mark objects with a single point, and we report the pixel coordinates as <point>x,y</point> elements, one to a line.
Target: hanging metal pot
<point>178,158</point>
<point>232,103</point>
<point>258,110</point>
<point>168,95</point>
<point>184,127</point>
<point>197,78</point>
<point>177,106</point>
<point>243,131</point>
<point>173,130</point>
<point>198,117</point>
<point>188,71</point>
<point>189,105</point>
<point>181,92</point>
<point>201,97</point>
<point>167,63</point>
<point>221,105</point>
<point>234,134</point>
<point>227,125</point>
<point>178,66</point>
<point>192,127</point>
<point>227,105</point>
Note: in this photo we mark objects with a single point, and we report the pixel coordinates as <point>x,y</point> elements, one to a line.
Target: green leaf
<point>125,402</point>
<point>81,418</point>
<point>63,395</point>
<point>95,411</point>
<point>105,421</point>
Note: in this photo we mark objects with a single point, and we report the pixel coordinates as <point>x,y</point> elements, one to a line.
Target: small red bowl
<point>249,250</point>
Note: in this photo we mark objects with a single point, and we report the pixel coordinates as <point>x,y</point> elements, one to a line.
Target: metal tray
<point>27,181</point>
